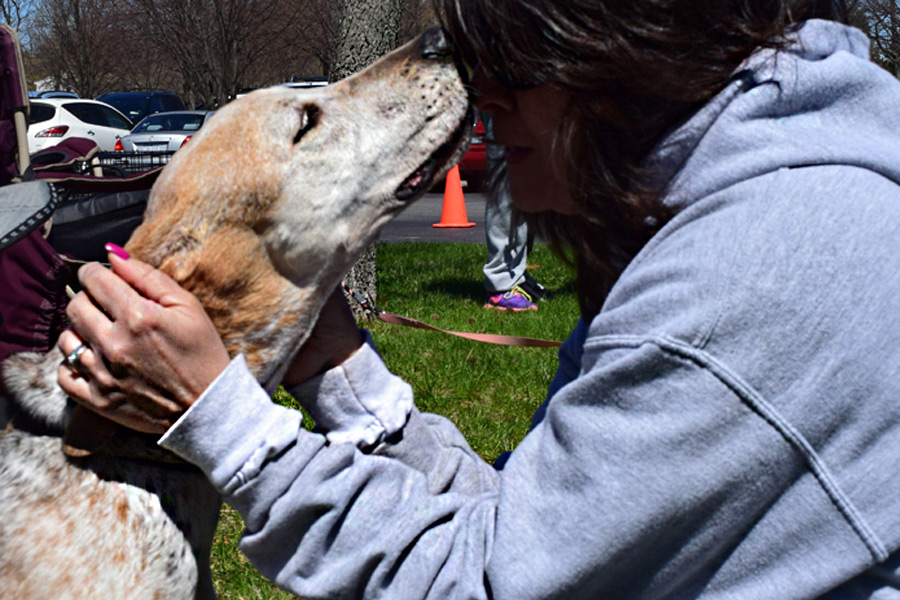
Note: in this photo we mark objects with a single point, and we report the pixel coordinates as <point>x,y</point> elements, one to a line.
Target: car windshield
<point>133,105</point>
<point>137,105</point>
<point>97,114</point>
<point>169,122</point>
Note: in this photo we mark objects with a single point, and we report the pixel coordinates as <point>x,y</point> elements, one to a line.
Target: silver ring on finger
<point>73,356</point>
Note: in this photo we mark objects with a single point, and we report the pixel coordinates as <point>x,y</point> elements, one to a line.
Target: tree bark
<point>365,31</point>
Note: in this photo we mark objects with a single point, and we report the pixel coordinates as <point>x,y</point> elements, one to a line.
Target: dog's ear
<point>86,432</point>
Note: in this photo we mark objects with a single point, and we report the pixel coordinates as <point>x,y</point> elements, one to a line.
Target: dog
<point>259,216</point>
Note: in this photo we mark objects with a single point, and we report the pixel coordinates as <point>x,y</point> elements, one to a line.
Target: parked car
<point>56,119</point>
<point>137,105</point>
<point>306,82</point>
<point>296,83</point>
<point>53,94</point>
<point>164,131</point>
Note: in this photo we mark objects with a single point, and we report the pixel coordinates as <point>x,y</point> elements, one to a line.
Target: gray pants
<point>507,234</point>
<point>507,245</point>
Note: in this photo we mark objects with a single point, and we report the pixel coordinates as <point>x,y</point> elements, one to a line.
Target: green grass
<point>489,391</point>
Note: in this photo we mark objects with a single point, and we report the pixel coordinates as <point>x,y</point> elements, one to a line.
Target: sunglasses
<point>506,79</point>
<point>510,81</point>
<point>505,76</point>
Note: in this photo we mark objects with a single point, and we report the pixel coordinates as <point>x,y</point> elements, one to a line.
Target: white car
<point>55,119</point>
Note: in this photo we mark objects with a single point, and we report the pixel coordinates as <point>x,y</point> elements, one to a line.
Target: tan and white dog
<point>259,216</point>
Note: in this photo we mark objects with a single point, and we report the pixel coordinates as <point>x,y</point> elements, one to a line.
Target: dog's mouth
<point>423,177</point>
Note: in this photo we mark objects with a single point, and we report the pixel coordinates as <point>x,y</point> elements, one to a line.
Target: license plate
<point>152,148</point>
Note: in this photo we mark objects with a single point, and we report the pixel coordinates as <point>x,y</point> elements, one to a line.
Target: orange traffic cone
<point>453,214</point>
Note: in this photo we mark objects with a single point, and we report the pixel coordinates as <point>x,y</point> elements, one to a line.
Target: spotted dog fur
<point>259,216</point>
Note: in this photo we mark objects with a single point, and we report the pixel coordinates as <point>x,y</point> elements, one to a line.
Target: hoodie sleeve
<point>322,516</point>
<point>612,490</point>
<point>361,402</point>
<point>358,402</point>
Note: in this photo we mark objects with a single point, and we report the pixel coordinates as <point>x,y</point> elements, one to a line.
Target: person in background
<point>507,283</point>
<point>724,421</point>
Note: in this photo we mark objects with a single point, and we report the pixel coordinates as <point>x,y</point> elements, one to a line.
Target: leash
<point>487,338</point>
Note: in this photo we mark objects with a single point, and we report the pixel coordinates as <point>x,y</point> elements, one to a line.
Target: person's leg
<point>507,236</point>
<point>507,246</point>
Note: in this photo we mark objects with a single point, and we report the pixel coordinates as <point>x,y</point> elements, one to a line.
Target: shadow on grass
<point>474,289</point>
<point>566,288</point>
<point>457,287</point>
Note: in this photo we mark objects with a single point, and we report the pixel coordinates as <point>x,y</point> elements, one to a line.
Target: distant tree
<point>881,21</point>
<point>16,14</point>
<point>77,44</point>
<point>207,50</point>
<point>317,47</point>
<point>365,30</point>
<point>218,47</point>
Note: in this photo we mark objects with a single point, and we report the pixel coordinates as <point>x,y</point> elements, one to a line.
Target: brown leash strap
<point>487,338</point>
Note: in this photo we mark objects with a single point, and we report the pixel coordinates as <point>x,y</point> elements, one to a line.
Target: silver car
<point>165,131</point>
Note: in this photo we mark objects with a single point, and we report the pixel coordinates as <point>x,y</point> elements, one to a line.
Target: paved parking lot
<point>415,223</point>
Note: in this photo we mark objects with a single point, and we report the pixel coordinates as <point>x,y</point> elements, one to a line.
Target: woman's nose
<point>490,96</point>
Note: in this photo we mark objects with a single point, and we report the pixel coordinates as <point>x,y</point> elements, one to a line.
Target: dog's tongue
<point>86,432</point>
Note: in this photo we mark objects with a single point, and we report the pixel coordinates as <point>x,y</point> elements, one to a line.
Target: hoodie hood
<point>786,108</point>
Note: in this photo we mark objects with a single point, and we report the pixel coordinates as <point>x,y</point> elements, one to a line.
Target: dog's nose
<point>435,44</point>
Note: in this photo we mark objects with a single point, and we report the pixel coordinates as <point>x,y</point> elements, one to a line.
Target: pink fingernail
<point>117,250</point>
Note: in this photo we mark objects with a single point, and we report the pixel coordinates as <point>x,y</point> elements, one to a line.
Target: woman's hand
<point>152,349</point>
<point>333,340</point>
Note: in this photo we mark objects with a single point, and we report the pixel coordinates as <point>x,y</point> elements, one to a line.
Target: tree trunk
<point>365,31</point>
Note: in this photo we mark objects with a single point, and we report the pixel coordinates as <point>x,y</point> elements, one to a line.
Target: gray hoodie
<point>728,426</point>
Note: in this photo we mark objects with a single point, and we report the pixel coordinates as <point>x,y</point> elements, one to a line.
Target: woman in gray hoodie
<point>725,419</point>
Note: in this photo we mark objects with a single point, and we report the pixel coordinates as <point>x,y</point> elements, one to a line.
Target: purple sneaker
<point>515,300</point>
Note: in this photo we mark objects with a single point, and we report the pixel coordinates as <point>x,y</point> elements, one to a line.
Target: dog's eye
<point>309,117</point>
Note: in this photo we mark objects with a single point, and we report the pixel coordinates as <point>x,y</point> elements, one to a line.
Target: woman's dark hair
<point>632,71</point>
